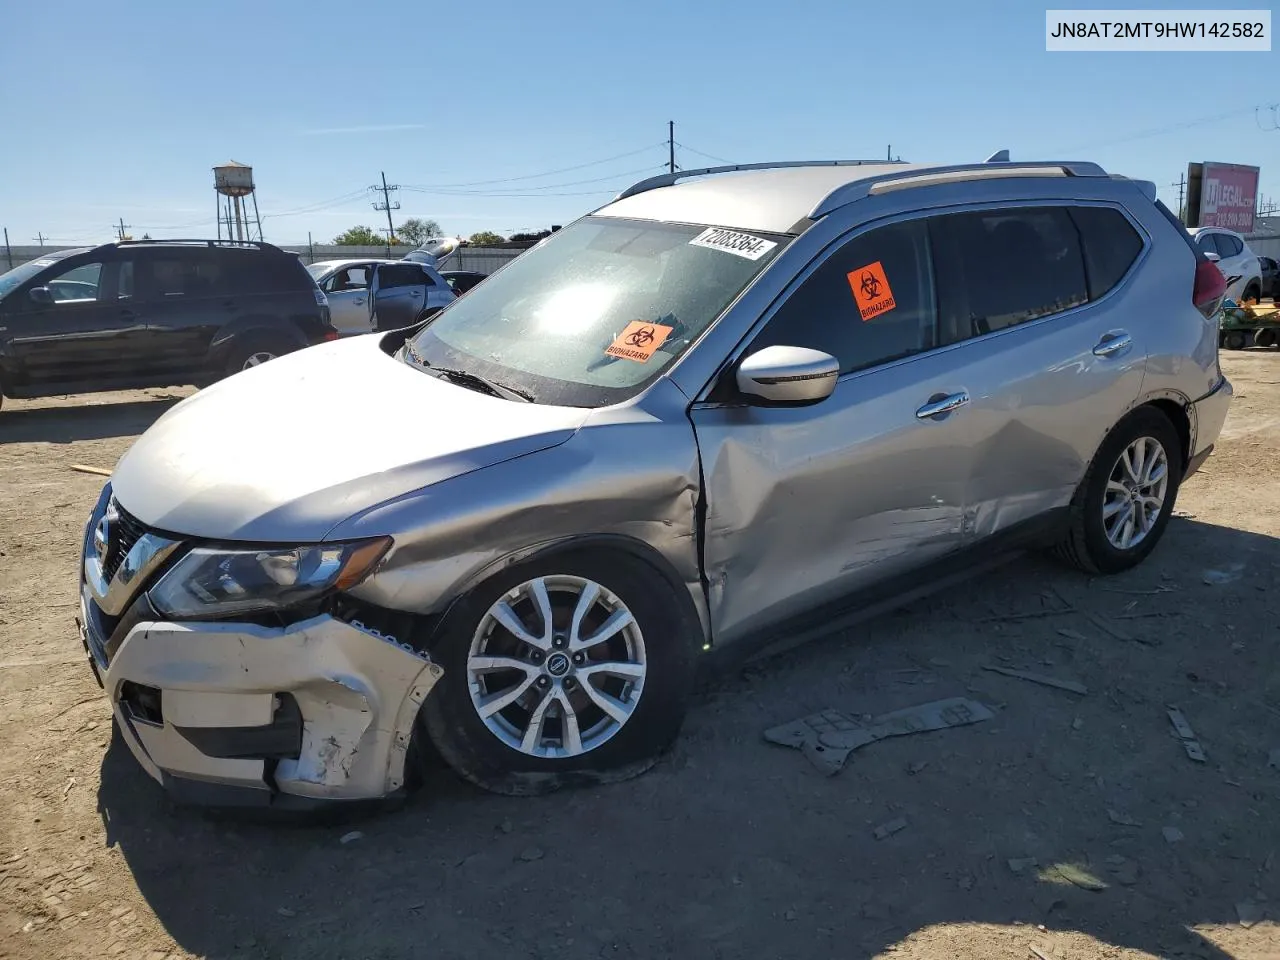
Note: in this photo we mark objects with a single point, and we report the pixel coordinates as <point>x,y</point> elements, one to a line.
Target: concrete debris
<point>914,768</point>
<point>1216,578</point>
<point>1068,685</point>
<point>1077,723</point>
<point>1077,876</point>
<point>350,837</point>
<point>96,471</point>
<point>1073,635</point>
<point>506,826</point>
<point>286,912</point>
<point>1186,735</point>
<point>1038,953</point>
<point>1172,834</point>
<point>1017,865</point>
<point>530,854</point>
<point>827,738</point>
<point>1123,819</point>
<point>886,830</point>
<point>1250,913</point>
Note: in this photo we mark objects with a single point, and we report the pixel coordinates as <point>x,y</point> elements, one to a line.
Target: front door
<point>88,330</point>
<point>807,504</point>
<point>347,290</point>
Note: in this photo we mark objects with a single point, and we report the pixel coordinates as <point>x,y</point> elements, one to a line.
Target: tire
<point>1086,545</point>
<point>495,761</point>
<point>1235,340</point>
<point>1264,338</point>
<point>1252,292</point>
<point>261,347</point>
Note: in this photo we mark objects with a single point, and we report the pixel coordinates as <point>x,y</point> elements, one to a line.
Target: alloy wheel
<point>556,667</point>
<point>1135,494</point>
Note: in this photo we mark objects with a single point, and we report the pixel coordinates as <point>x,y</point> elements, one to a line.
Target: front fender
<point>631,486</point>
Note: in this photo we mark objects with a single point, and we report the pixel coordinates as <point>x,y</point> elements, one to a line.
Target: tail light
<point>1210,288</point>
<point>329,335</point>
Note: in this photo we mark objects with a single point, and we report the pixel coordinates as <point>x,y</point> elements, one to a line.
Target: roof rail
<point>257,244</point>
<point>667,179</point>
<point>858,189</point>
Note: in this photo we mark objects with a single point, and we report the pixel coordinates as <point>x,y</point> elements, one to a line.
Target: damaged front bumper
<point>242,715</point>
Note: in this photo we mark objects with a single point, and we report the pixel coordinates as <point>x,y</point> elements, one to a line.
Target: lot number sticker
<point>739,244</point>
<point>871,291</point>
<point>639,341</point>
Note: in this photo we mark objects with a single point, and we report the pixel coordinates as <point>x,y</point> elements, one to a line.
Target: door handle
<point>359,303</point>
<point>1113,343</point>
<point>416,294</point>
<point>941,404</point>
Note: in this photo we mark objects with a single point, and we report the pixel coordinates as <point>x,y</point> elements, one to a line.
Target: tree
<point>526,237</point>
<point>486,238</point>
<point>418,231</point>
<point>359,237</point>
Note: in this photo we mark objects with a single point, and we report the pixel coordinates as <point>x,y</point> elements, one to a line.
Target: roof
<point>780,197</point>
<point>772,200</point>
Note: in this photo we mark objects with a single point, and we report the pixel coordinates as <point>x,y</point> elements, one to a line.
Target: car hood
<point>286,450</point>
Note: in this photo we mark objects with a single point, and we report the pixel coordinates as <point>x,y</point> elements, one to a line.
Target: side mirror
<point>788,375</point>
<point>41,296</point>
<point>1212,257</point>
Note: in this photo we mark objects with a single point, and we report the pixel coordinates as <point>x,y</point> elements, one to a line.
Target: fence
<point>480,259</point>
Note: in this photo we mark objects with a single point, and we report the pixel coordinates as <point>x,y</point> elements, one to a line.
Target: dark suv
<point>152,313</point>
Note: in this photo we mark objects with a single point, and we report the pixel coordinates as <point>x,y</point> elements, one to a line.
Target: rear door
<point>183,291</point>
<point>399,294</point>
<point>92,332</point>
<point>1047,335</point>
<point>1236,263</point>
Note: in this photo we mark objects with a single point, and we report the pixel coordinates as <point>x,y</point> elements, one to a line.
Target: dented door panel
<point>805,505</point>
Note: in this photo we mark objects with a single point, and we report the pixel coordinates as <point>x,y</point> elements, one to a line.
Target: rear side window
<point>999,268</point>
<point>1205,242</point>
<point>393,275</point>
<point>870,302</point>
<point>1228,246</point>
<point>1111,244</point>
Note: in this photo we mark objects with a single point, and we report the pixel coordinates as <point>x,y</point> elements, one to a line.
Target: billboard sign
<point>1222,195</point>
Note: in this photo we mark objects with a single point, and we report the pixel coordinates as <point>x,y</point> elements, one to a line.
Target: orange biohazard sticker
<point>639,341</point>
<point>871,291</point>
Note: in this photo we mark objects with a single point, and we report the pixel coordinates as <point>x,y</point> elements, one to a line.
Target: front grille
<point>123,533</point>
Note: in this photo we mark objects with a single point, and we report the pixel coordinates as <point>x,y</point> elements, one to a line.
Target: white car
<point>407,291</point>
<point>1237,262</point>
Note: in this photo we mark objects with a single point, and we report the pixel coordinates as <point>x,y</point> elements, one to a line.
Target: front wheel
<point>573,669</point>
<point>1123,504</point>
<point>1235,340</point>
<point>255,350</point>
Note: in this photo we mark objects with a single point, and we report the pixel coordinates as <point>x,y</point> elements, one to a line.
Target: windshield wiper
<point>465,378</point>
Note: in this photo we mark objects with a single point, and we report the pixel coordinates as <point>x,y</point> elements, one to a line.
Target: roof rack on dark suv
<point>183,241</point>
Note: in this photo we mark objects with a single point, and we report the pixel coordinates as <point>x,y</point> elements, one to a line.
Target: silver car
<point>404,292</point>
<point>729,406</point>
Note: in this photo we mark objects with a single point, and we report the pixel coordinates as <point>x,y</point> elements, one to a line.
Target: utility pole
<point>671,146</point>
<point>8,250</point>
<point>40,238</point>
<point>1182,186</point>
<point>122,228</point>
<point>387,205</point>
<point>311,249</point>
<point>888,152</point>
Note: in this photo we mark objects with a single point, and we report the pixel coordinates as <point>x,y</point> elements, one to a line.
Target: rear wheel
<point>1123,504</point>
<point>1252,293</point>
<point>255,350</point>
<point>1264,338</point>
<point>1235,340</point>
<point>574,669</point>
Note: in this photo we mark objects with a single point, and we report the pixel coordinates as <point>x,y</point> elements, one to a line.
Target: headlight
<point>216,583</point>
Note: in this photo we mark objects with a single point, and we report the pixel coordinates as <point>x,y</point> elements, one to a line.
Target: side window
<point>1229,246</point>
<point>80,283</point>
<point>124,281</point>
<point>1110,246</point>
<point>194,274</point>
<point>392,275</point>
<point>999,268</point>
<point>1205,242</point>
<point>871,301</point>
<point>242,272</point>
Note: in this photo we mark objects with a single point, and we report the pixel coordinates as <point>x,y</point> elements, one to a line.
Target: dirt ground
<point>731,847</point>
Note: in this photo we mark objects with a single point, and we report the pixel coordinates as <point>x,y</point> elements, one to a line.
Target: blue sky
<point>120,109</point>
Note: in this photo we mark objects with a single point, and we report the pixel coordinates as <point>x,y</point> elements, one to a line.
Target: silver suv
<point>732,403</point>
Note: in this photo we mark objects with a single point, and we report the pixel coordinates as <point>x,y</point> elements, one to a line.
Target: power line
<point>533,176</point>
<point>1158,131</point>
<point>700,153</point>
<point>540,186</point>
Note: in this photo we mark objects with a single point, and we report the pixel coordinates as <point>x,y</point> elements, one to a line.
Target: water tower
<point>233,183</point>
